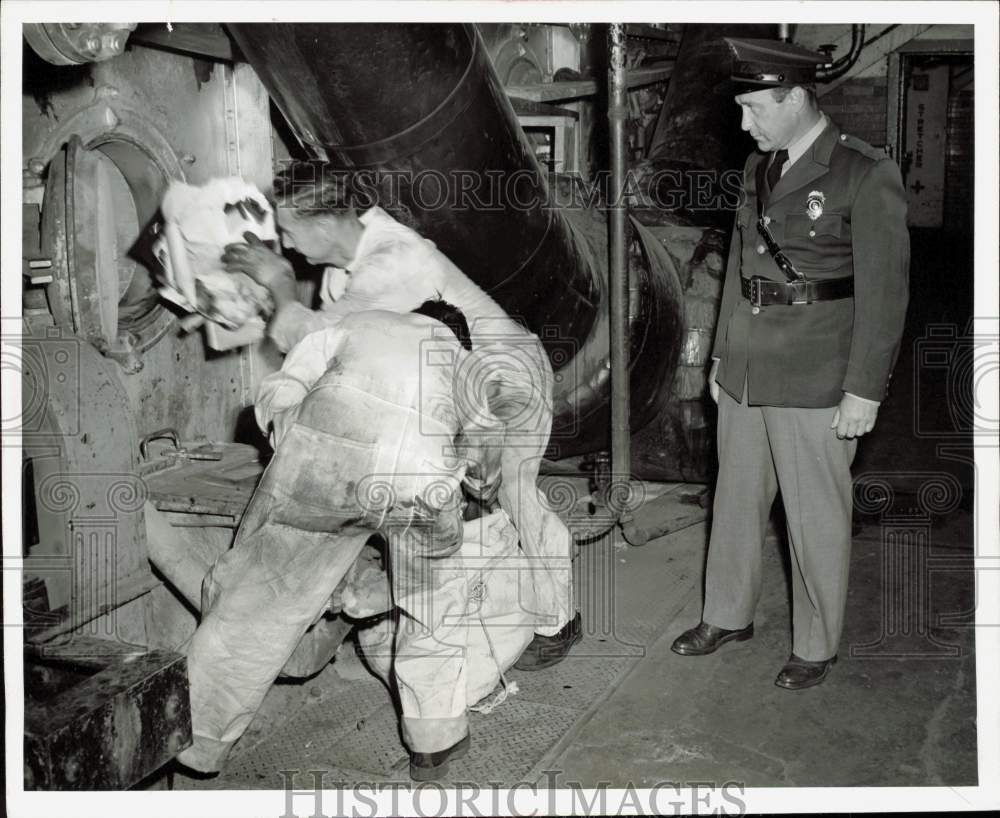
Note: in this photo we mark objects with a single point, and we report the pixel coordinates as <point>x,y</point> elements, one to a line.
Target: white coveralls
<point>396,269</point>
<point>364,440</point>
<point>450,649</point>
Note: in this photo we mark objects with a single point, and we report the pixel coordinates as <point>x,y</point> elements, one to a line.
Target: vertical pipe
<point>618,272</point>
<point>784,32</point>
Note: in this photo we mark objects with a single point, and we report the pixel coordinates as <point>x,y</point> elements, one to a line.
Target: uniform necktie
<point>774,169</point>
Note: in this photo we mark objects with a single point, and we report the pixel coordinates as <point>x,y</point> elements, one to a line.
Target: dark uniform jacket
<point>808,355</point>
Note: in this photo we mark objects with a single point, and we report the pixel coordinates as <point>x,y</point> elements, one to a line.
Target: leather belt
<point>762,292</point>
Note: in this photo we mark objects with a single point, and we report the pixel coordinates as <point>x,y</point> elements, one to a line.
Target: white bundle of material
<point>198,222</point>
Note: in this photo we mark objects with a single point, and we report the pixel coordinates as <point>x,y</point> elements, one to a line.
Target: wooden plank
<point>574,89</point>
<point>671,511</point>
<point>528,107</point>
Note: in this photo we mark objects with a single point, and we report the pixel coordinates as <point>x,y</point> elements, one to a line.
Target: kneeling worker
<point>376,263</point>
<point>365,440</point>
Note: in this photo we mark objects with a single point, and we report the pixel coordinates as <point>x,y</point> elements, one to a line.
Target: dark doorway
<point>927,422</point>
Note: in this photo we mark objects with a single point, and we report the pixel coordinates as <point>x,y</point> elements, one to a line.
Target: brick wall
<point>859,107</point>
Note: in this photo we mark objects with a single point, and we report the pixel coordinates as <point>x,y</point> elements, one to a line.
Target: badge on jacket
<point>814,204</point>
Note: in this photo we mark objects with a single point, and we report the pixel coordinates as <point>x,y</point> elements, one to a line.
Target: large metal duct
<point>698,130</point>
<point>421,104</point>
<point>695,161</point>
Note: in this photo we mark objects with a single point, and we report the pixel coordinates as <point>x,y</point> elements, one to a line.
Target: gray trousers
<point>763,449</point>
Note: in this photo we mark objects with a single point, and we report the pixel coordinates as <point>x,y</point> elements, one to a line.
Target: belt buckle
<point>755,293</point>
<point>804,293</point>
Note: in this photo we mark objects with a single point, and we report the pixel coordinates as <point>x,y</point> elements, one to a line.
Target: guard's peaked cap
<point>761,64</point>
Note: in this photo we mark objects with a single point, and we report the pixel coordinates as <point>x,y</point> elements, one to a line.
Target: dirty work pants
<point>523,401</point>
<point>469,622</point>
<point>351,464</point>
<point>763,449</point>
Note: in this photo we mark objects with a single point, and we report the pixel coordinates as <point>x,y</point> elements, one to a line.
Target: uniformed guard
<point>809,329</point>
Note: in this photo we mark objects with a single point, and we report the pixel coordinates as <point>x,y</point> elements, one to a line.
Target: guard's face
<point>772,124</point>
<point>324,239</point>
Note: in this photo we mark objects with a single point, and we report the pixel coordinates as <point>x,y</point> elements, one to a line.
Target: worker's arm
<point>281,394</point>
<point>392,276</point>
<point>292,321</point>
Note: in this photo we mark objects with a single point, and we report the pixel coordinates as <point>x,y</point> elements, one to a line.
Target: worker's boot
<point>545,651</point>
<point>434,766</point>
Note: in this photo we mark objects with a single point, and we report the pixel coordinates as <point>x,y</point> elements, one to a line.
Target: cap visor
<point>733,88</point>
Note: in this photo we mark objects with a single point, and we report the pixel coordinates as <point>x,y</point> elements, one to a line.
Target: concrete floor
<point>904,715</point>
<point>876,720</point>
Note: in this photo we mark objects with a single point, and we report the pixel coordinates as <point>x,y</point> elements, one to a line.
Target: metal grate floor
<point>349,730</point>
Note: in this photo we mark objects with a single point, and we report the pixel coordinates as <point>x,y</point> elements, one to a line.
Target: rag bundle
<point>198,223</point>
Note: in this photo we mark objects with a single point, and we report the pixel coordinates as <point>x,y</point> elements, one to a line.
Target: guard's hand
<point>263,265</point>
<point>854,417</point>
<point>713,386</point>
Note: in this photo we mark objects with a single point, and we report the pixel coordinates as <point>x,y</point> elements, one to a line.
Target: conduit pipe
<point>618,273</point>
<point>844,64</point>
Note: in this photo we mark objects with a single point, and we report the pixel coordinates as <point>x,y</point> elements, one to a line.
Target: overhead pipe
<point>618,273</point>
<point>845,63</point>
<point>422,102</point>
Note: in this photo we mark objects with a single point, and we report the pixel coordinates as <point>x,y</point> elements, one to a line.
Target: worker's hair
<point>781,92</point>
<point>314,189</point>
<point>449,315</point>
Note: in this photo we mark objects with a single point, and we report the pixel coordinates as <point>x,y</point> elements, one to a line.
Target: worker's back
<point>403,359</point>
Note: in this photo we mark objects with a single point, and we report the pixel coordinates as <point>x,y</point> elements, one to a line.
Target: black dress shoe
<point>705,638</point>
<point>801,673</point>
<point>434,766</point>
<point>545,651</point>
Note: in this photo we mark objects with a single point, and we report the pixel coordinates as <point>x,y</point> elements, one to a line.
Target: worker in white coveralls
<point>366,438</point>
<point>374,262</point>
